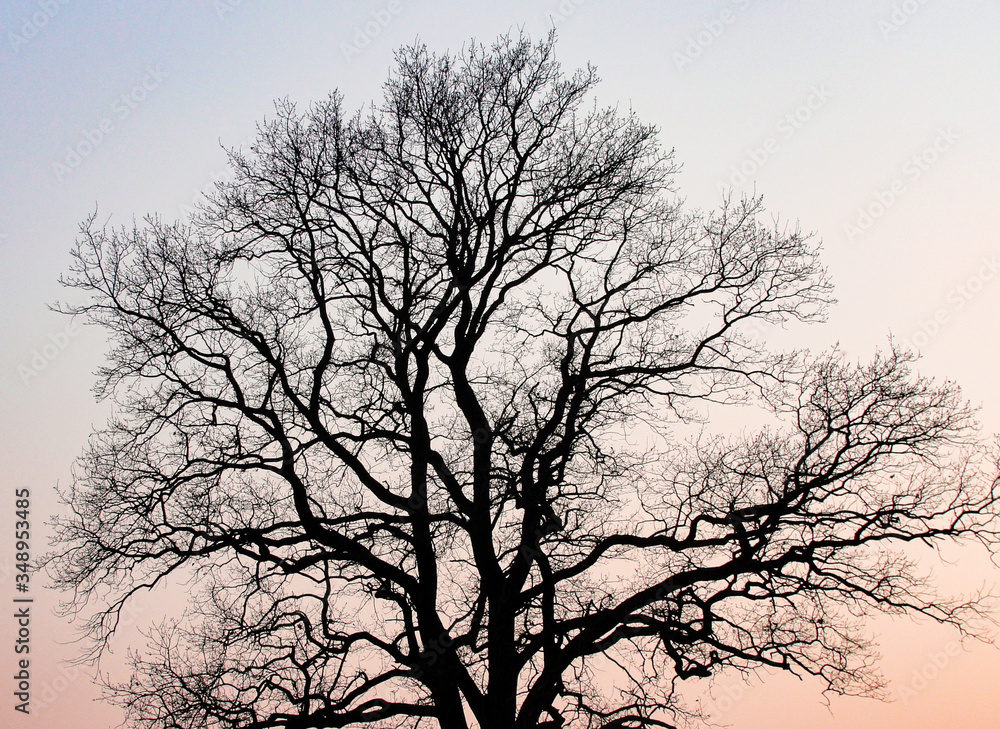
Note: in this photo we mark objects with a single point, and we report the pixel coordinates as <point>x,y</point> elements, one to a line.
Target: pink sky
<point>873,123</point>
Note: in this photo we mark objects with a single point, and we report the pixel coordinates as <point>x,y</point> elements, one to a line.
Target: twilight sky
<point>871,123</point>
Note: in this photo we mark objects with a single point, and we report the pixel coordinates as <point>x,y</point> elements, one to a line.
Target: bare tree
<point>408,405</point>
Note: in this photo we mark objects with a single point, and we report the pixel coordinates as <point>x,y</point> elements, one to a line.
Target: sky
<point>871,124</point>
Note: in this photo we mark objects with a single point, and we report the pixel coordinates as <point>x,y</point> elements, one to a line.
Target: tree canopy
<point>409,403</point>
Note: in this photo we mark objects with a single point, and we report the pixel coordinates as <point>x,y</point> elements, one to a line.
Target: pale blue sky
<point>871,83</point>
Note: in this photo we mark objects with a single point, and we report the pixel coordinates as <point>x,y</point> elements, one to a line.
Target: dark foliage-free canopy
<point>406,406</point>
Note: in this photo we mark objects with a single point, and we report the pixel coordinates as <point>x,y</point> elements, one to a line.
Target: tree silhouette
<point>413,404</point>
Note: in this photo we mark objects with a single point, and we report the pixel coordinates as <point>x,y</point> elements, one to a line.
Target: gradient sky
<point>872,123</point>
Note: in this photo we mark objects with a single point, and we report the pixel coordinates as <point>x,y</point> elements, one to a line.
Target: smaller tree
<point>406,402</point>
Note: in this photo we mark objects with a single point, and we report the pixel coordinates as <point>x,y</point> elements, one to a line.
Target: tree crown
<point>404,399</point>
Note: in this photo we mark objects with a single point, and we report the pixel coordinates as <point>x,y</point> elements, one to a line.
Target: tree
<point>412,403</point>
